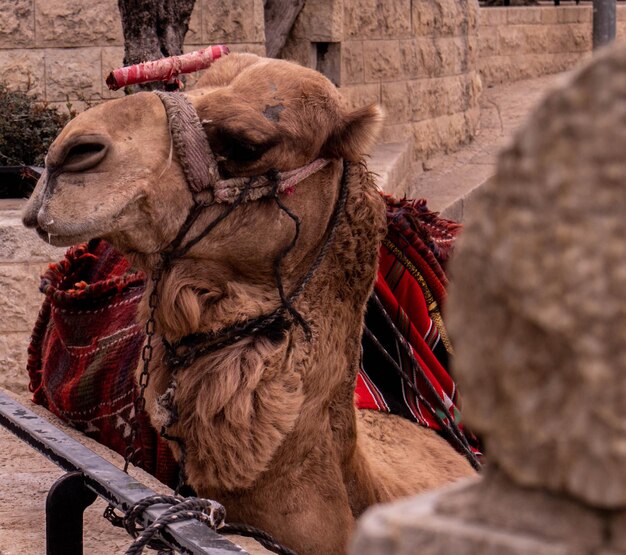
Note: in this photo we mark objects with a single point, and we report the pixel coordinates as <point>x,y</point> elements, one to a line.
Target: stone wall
<point>23,258</point>
<point>418,59</point>
<point>525,42</point>
<point>62,50</point>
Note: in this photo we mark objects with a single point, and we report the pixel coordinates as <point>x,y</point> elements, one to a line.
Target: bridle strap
<point>200,165</point>
<point>202,174</point>
<point>190,142</point>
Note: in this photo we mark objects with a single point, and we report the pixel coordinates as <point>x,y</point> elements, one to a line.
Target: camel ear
<point>356,134</point>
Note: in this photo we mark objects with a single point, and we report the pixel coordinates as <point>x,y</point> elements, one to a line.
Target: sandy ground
<point>26,476</point>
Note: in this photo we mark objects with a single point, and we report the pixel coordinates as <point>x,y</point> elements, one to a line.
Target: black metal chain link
<point>146,358</point>
<point>140,401</point>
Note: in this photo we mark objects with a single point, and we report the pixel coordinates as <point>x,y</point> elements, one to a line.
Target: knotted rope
<point>206,511</point>
<point>200,165</point>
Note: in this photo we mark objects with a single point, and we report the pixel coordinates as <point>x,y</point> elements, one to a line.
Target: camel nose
<point>79,153</point>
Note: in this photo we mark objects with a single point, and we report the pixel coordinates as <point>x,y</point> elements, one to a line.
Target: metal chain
<point>144,378</point>
<point>146,357</point>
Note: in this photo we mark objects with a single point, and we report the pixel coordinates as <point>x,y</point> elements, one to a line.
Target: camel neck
<point>273,403</point>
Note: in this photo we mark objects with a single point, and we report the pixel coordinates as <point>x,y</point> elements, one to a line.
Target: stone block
<point>410,58</point>
<point>439,18</point>
<point>439,134</point>
<point>320,21</point>
<point>74,73</point>
<point>432,98</point>
<point>618,531</point>
<point>17,27</point>
<point>514,40</point>
<point>382,60</point>
<point>396,100</point>
<point>23,70</point>
<point>233,21</point>
<point>13,357</point>
<point>18,244</point>
<point>540,39</point>
<point>569,14</point>
<point>416,527</point>
<point>391,163</point>
<point>397,132</point>
<point>487,44</point>
<point>352,63</point>
<point>550,15</point>
<point>59,23</point>
<point>20,298</point>
<point>376,19</point>
<point>421,58</point>
<point>585,14</point>
<point>112,58</point>
<point>620,13</point>
<point>453,54</point>
<point>544,364</point>
<point>492,17</point>
<point>520,15</point>
<point>473,16</point>
<point>357,96</point>
<point>488,516</point>
<point>72,107</point>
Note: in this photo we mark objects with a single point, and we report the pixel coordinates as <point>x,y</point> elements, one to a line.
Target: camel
<point>268,421</point>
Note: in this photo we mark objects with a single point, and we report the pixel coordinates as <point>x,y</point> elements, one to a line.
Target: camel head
<point>113,173</point>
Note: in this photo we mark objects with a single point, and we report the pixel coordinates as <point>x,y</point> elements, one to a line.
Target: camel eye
<point>238,149</point>
<point>85,154</point>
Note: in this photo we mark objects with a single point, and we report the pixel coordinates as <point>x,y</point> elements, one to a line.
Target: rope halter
<point>201,171</point>
<point>200,165</point>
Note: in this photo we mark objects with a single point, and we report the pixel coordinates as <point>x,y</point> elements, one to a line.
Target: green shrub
<point>27,128</point>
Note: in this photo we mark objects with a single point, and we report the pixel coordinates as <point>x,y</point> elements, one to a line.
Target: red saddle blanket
<point>87,342</point>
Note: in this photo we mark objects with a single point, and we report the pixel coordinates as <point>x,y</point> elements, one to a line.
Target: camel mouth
<point>57,240</point>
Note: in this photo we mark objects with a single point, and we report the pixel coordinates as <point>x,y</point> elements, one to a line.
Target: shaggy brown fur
<point>270,427</point>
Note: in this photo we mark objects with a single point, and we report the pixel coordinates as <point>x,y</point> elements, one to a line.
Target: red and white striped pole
<point>164,69</point>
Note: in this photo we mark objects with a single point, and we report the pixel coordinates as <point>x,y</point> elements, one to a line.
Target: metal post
<point>603,22</point>
<point>108,481</point>
<point>66,502</point>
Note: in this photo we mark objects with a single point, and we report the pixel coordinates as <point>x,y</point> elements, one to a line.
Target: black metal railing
<point>89,475</point>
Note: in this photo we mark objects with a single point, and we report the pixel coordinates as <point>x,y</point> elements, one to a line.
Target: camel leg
<point>298,513</point>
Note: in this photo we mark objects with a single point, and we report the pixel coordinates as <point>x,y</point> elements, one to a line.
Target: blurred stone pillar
<point>538,315</point>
